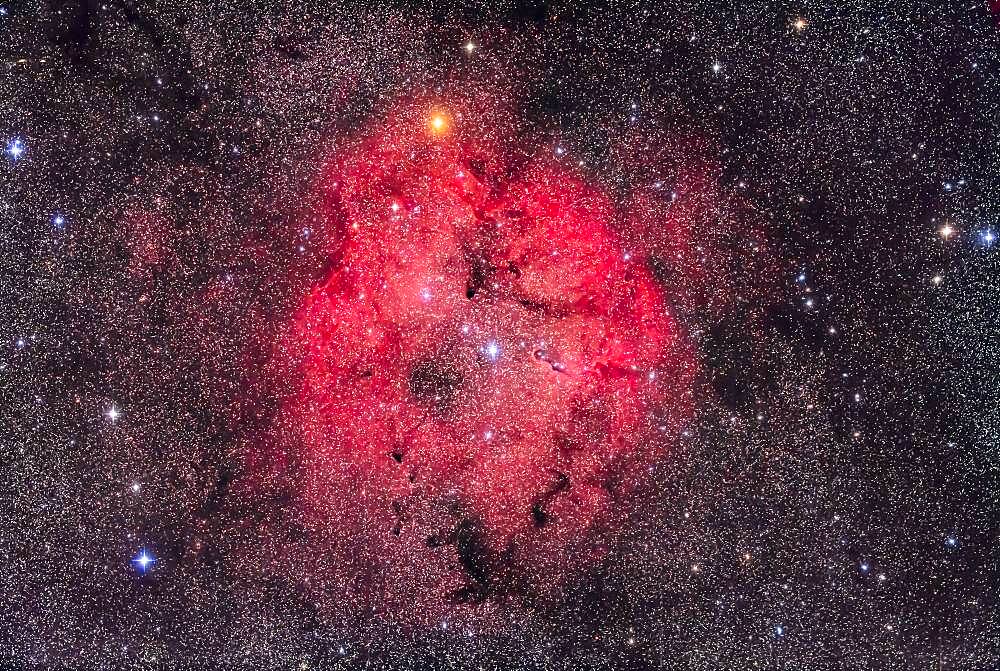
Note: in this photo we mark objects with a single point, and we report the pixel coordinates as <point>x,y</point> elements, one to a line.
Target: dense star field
<point>516,335</point>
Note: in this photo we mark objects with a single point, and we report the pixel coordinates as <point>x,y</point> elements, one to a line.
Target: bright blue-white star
<point>492,350</point>
<point>951,542</point>
<point>143,561</point>
<point>988,237</point>
<point>15,148</point>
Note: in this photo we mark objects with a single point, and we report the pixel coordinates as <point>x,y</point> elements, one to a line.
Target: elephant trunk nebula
<point>483,378</point>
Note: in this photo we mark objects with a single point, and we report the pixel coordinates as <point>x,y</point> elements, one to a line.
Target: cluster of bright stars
<point>947,231</point>
<point>798,24</point>
<point>15,149</point>
<point>439,121</point>
<point>143,560</point>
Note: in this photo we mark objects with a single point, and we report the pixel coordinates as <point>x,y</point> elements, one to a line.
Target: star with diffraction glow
<point>143,560</point>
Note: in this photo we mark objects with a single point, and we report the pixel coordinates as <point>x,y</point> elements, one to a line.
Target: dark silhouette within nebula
<point>486,374</point>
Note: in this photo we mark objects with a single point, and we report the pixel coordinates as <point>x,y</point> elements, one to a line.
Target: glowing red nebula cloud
<point>486,374</point>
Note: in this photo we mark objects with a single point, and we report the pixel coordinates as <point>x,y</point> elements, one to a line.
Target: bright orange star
<point>438,123</point>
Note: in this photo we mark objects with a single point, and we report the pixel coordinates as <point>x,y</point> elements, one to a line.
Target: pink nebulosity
<point>485,374</point>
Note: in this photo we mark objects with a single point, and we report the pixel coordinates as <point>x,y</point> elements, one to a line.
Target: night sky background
<point>831,498</point>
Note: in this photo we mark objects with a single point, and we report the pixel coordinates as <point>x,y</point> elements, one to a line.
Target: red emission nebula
<point>483,378</point>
